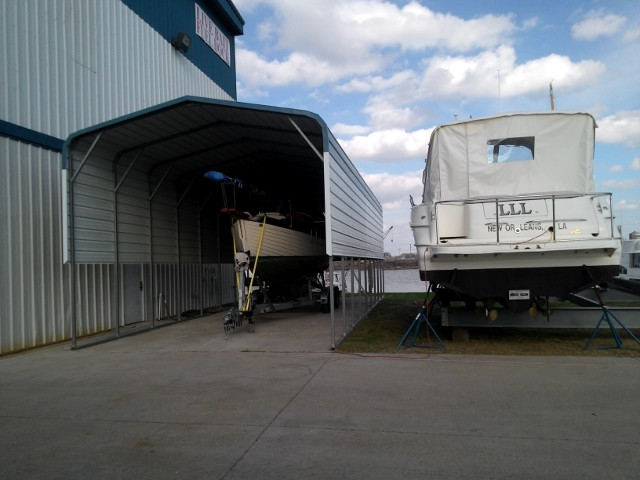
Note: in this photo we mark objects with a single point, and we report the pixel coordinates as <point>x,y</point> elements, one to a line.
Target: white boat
<point>630,259</point>
<point>279,250</point>
<point>268,239</point>
<point>285,253</point>
<point>510,212</point>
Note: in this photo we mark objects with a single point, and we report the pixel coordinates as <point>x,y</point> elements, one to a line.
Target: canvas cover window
<point>515,149</point>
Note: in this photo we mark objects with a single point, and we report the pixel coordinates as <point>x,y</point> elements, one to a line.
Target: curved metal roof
<point>260,145</point>
<point>287,153</point>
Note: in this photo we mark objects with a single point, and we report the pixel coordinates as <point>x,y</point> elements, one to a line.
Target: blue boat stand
<point>607,315</point>
<point>421,318</point>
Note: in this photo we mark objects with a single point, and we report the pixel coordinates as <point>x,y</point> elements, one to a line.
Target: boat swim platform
<point>582,310</point>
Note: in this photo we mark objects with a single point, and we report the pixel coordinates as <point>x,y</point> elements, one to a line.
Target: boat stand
<point>421,318</point>
<point>607,315</point>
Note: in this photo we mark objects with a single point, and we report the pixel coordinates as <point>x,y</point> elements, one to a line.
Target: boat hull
<point>276,242</point>
<point>463,249</point>
<point>497,283</point>
<point>543,270</point>
<point>283,255</point>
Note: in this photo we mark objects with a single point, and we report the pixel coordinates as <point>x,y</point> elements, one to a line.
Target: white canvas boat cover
<point>553,153</point>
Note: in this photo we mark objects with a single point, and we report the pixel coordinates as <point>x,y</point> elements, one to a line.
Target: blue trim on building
<point>31,137</point>
<point>169,17</point>
<point>226,9</point>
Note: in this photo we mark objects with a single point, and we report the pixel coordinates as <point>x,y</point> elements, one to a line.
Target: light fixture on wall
<point>181,42</point>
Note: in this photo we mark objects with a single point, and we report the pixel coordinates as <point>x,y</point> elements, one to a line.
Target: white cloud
<point>530,23</point>
<point>338,29</point>
<point>635,164</point>
<point>616,168</point>
<point>256,72</point>
<point>622,184</point>
<point>393,190</point>
<point>355,85</point>
<point>324,42</point>
<point>319,97</point>
<point>470,77</point>
<point>398,81</point>
<point>623,205</point>
<point>622,127</point>
<point>349,130</point>
<point>632,35</point>
<point>394,145</point>
<point>398,104</point>
<point>386,115</point>
<point>534,76</point>
<point>246,5</point>
<point>597,23</point>
<point>416,27</point>
<point>316,43</point>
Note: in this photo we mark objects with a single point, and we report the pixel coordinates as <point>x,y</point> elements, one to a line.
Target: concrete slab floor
<point>183,402</point>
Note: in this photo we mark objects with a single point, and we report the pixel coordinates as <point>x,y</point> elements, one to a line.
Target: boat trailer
<point>615,306</point>
<point>249,291</point>
<point>579,310</point>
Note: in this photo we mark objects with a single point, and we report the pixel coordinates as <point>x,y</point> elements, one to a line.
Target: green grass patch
<point>384,328</point>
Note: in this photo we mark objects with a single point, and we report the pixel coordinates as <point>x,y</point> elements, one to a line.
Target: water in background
<point>395,281</point>
<point>403,281</point>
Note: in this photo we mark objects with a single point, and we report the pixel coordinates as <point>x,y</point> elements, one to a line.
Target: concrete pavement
<point>183,402</point>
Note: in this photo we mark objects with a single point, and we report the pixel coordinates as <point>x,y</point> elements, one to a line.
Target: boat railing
<point>452,222</point>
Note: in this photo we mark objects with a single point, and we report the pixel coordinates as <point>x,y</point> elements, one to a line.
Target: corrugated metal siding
<point>94,200</point>
<point>356,214</point>
<point>67,65</point>
<point>180,281</point>
<point>203,287</point>
<point>70,64</point>
<point>95,289</point>
<point>189,232</point>
<point>33,285</point>
<point>133,217</point>
<point>165,240</point>
<point>95,212</point>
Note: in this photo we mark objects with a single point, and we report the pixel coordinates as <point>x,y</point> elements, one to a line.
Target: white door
<point>133,290</point>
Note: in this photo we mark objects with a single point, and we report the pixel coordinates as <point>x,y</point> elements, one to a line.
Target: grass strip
<point>383,329</point>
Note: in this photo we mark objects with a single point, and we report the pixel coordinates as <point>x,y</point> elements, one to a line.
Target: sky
<point>383,74</point>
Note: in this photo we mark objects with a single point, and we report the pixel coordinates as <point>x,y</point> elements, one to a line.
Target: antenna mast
<point>498,90</point>
<point>551,99</point>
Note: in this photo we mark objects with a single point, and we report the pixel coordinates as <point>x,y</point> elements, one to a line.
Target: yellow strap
<point>264,225</point>
<point>234,259</point>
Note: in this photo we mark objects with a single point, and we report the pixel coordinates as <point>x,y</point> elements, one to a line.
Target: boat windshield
<point>514,149</point>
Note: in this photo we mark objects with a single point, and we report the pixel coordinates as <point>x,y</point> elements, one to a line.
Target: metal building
<point>96,231</point>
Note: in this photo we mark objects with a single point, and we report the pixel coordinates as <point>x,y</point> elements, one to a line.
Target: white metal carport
<point>135,195</point>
